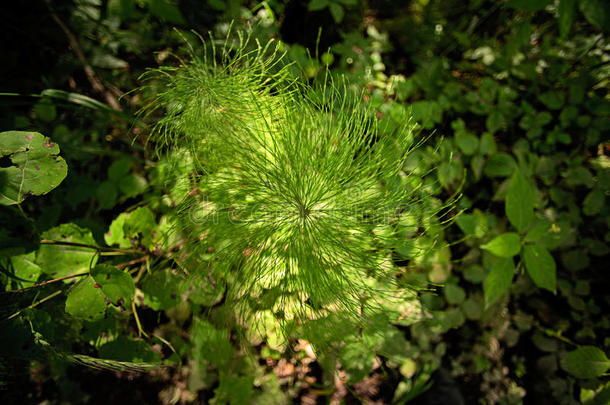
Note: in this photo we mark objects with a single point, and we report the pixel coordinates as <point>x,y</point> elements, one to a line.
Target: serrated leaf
<point>519,203</point>
<point>498,280</point>
<point>586,362</point>
<point>233,390</point>
<point>506,245</point>
<point>62,260</point>
<point>139,224</point>
<point>36,166</point>
<point>161,291</point>
<point>357,360</point>
<point>116,285</point>
<point>211,344</point>
<point>540,266</point>
<point>86,301</point>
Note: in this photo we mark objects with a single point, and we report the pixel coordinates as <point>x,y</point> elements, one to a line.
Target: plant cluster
<point>216,248</point>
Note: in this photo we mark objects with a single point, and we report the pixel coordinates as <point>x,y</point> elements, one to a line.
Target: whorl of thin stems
<point>298,198</point>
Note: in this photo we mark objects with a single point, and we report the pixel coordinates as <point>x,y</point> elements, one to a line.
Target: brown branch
<point>94,80</point>
<point>55,280</point>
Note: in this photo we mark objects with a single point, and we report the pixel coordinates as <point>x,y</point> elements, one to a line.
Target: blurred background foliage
<point>517,311</point>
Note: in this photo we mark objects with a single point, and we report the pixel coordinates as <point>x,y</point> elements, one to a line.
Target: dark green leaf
<point>472,224</point>
<point>594,202</point>
<point>498,280</point>
<point>567,9</point>
<point>586,362</point>
<point>540,266</point>
<point>357,360</point>
<point>61,260</point>
<point>505,245</point>
<point>500,165</point>
<point>597,12</point>
<point>519,204</point>
<point>315,5</point>
<point>117,285</point>
<point>454,294</point>
<point>86,301</point>
<point>166,11</point>
<point>36,166</point>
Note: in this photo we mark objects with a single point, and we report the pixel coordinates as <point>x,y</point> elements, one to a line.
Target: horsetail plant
<point>292,195</point>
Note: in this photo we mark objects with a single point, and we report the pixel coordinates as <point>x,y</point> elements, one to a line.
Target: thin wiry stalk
<point>298,197</point>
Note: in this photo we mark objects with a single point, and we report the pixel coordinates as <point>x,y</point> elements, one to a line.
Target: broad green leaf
<point>586,362</point>
<point>357,360</point>
<point>474,273</point>
<point>540,266</point>
<point>86,300</point>
<point>593,202</point>
<point>472,308</point>
<point>567,9</point>
<point>336,10</point>
<point>467,142</point>
<point>505,245</point>
<point>25,267</point>
<point>121,8</point>
<point>36,166</point>
<point>119,169</point>
<point>519,204</point>
<point>597,12</point>
<point>107,194</point>
<point>472,224</point>
<point>539,230</point>
<point>554,100</point>
<point>499,280</point>
<point>315,5</point>
<point>132,185</point>
<point>162,290</point>
<point>211,344</point>
<point>137,225</point>
<point>117,285</point>
<point>495,121</point>
<point>233,389</point>
<point>454,294</point>
<point>61,260</point>
<point>500,165</point>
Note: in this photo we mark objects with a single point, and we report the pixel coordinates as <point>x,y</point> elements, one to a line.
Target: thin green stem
<point>93,247</point>
<point>35,304</point>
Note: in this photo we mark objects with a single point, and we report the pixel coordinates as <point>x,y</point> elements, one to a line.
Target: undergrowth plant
<point>290,194</point>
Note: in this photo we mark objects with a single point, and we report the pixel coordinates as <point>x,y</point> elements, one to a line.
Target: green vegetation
<point>341,201</point>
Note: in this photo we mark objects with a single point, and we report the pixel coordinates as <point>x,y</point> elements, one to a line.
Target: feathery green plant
<point>292,194</point>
